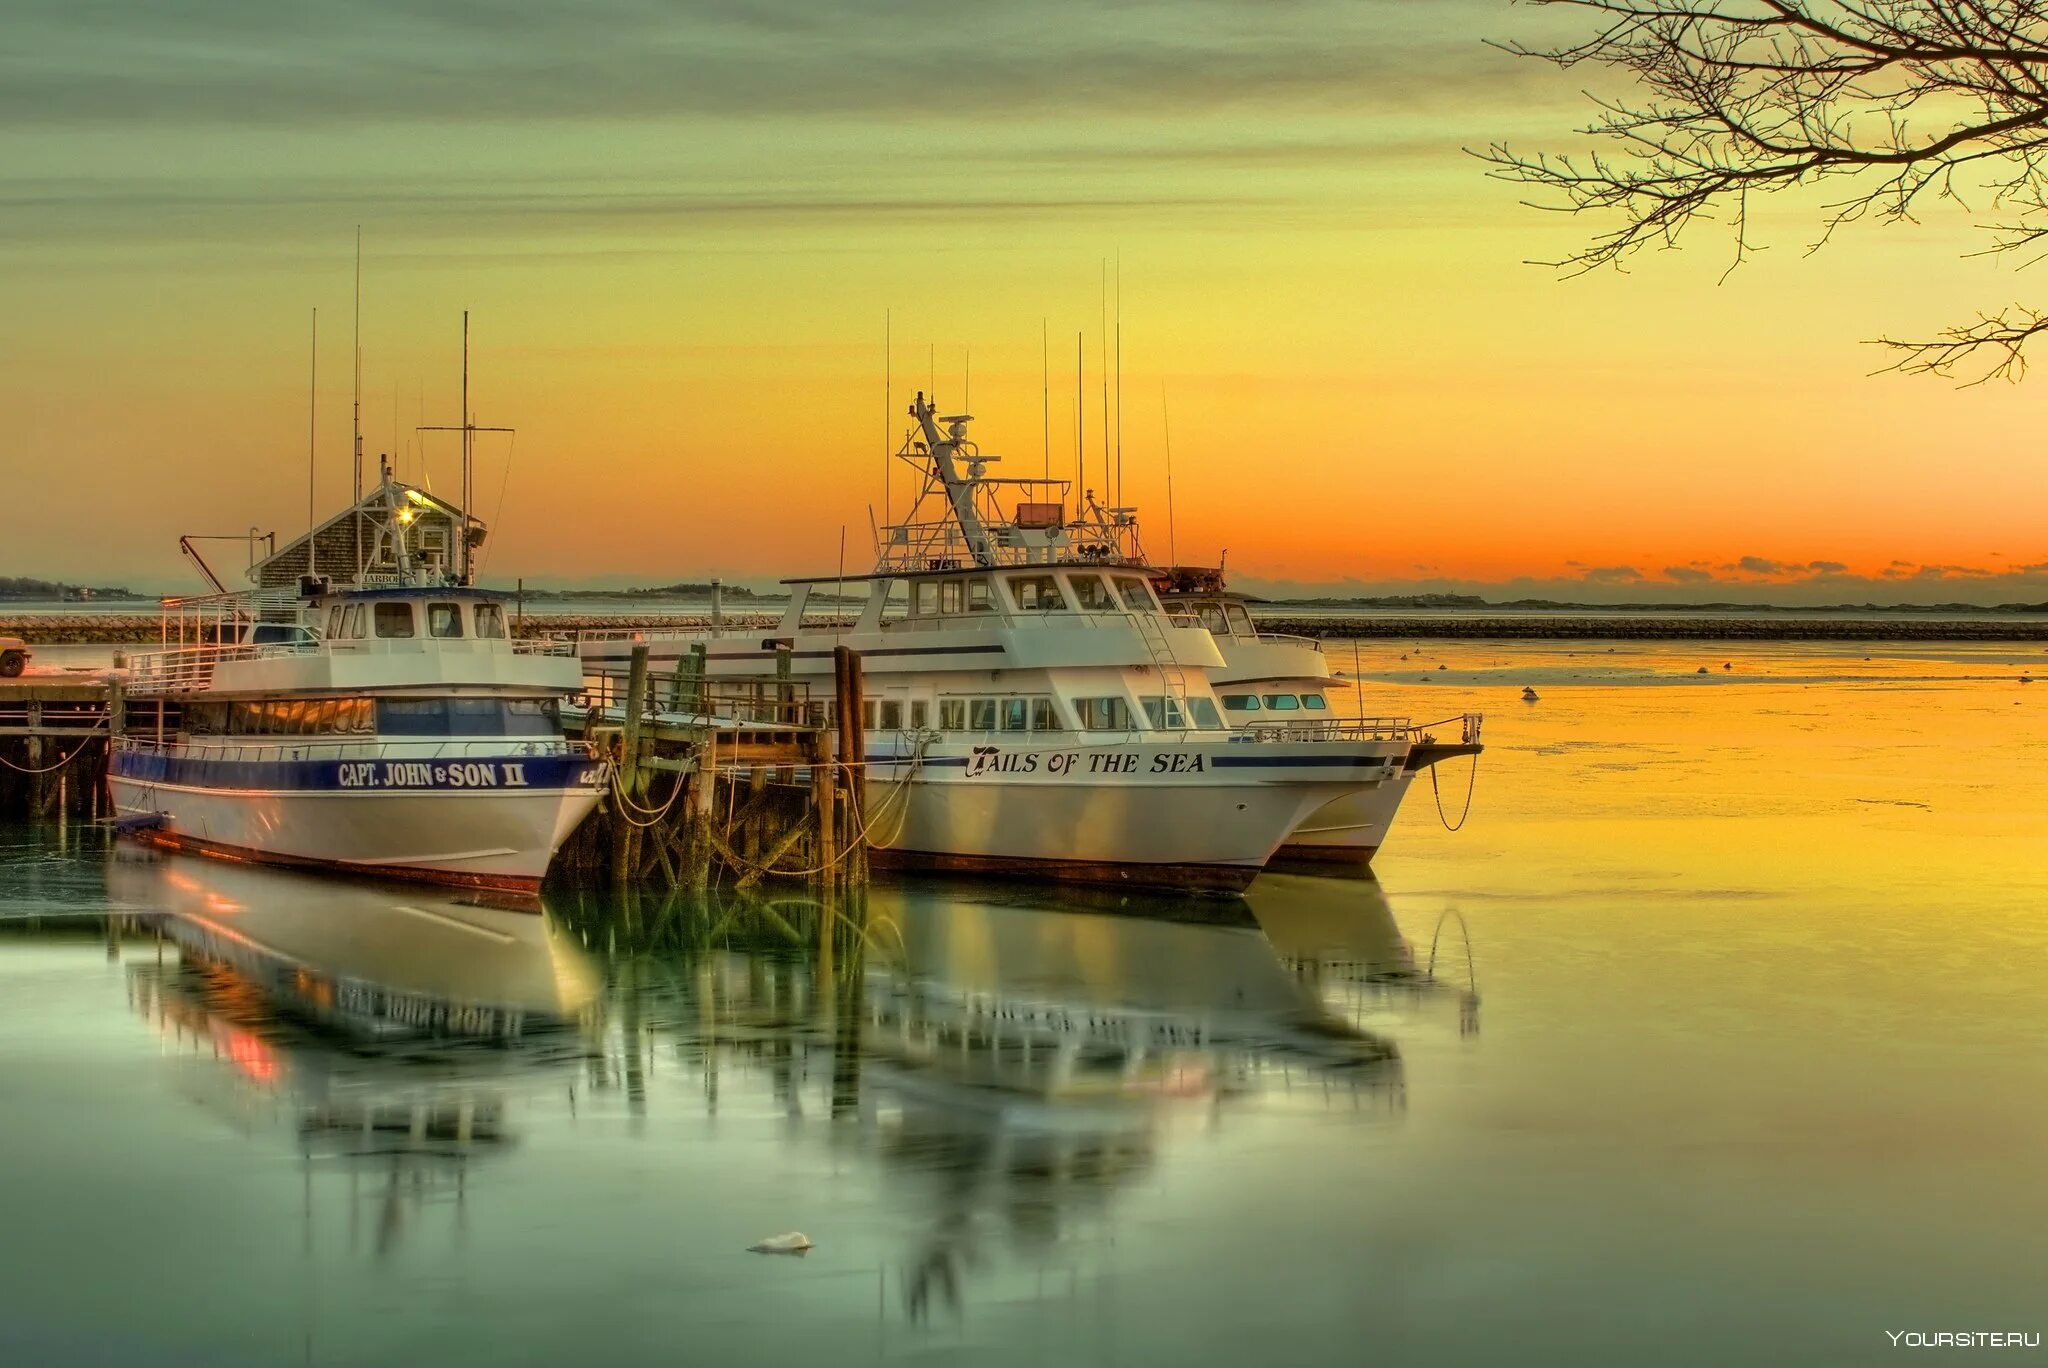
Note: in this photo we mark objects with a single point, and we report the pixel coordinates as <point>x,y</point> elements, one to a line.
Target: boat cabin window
<point>277,634</point>
<point>490,620</point>
<point>1103,714</point>
<point>283,717</point>
<point>1241,702</point>
<point>1091,595</point>
<point>468,717</point>
<point>1136,596</point>
<point>919,715</point>
<point>394,619</point>
<point>1206,716</point>
<point>951,597</point>
<point>444,619</point>
<point>352,622</point>
<point>1240,620</point>
<point>1027,714</point>
<point>334,612</point>
<point>1211,615</point>
<point>1163,713</point>
<point>1037,593</point>
<point>980,597</point>
<point>1314,702</point>
<point>1282,703</point>
<point>925,602</point>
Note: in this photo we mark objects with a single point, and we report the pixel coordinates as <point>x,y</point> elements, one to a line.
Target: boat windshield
<point>1091,594</point>
<point>1037,593</point>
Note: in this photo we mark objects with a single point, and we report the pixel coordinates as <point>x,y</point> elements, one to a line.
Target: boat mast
<point>959,491</point>
<point>468,432</point>
<point>312,428</point>
<point>356,422</point>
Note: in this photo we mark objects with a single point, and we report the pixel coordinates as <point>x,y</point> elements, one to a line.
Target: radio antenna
<point>312,428</point>
<point>1045,382</point>
<point>1166,425</point>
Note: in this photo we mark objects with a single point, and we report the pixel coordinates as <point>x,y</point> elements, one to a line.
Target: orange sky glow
<point>680,242</point>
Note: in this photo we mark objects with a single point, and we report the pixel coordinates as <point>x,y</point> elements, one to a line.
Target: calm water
<point>1732,1048</point>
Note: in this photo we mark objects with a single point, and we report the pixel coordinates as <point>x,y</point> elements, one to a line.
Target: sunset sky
<point>679,228</point>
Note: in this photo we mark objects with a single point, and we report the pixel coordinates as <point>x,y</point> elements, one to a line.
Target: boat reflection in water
<point>1006,1066</point>
<point>382,1024</point>
<point>1024,1062</point>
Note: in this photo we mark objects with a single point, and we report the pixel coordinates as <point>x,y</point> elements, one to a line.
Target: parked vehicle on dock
<point>14,657</point>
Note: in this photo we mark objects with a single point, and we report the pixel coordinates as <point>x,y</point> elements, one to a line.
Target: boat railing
<point>1288,639</point>
<point>544,646</point>
<point>682,694</point>
<point>1469,726</point>
<point>189,669</point>
<point>1335,729</point>
<point>357,748</point>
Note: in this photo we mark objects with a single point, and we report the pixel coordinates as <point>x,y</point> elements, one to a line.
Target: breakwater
<point>1675,627</point>
<point>141,629</point>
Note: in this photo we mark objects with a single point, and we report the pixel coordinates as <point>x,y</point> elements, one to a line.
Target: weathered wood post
<point>629,782</point>
<point>703,812</point>
<point>852,759</point>
<point>117,727</point>
<point>700,691</point>
<point>785,699</point>
<point>824,780</point>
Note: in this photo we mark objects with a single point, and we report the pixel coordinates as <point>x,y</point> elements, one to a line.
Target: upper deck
<point>367,640</point>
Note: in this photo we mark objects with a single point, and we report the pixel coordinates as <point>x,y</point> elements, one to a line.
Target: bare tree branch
<point>1894,101</point>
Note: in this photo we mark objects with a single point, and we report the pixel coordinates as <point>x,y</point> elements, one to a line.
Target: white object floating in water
<point>795,1242</point>
<point>1528,694</point>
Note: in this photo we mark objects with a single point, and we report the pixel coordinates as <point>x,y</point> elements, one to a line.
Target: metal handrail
<point>765,701</point>
<point>270,747</point>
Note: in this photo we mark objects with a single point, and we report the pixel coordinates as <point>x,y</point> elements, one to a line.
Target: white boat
<point>1029,706</point>
<point>1275,684</point>
<point>394,730</point>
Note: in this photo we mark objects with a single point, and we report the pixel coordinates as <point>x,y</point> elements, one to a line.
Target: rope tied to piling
<point>52,769</point>
<point>861,837</point>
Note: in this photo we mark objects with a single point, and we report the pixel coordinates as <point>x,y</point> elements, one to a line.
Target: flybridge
<point>959,519</point>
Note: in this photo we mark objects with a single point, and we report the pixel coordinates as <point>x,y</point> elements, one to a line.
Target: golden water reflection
<point>1007,1062</point>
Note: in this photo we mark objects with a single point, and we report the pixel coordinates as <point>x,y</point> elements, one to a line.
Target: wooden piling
<point>629,782</point>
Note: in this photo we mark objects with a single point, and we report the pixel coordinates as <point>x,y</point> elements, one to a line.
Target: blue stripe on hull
<point>467,774</point>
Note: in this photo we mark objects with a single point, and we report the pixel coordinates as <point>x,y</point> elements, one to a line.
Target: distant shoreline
<point>143,629</point>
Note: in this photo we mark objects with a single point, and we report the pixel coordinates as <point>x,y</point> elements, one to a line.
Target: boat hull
<point>480,839</point>
<point>1348,832</point>
<point>1168,814</point>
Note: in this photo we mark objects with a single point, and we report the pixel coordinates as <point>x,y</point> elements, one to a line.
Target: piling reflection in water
<point>1008,1063</point>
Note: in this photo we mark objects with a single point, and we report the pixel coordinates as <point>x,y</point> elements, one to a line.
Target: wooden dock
<point>734,782</point>
<point>742,780</point>
<point>53,747</point>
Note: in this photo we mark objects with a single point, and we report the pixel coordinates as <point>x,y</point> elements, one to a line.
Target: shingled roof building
<point>398,532</point>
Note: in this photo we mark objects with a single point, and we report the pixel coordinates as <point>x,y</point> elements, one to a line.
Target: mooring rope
<point>861,837</point>
<point>51,769</point>
<point>1471,784</point>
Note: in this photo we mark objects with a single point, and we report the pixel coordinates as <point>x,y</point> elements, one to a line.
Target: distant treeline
<point>1563,606</point>
<point>15,589</point>
<point>666,591</point>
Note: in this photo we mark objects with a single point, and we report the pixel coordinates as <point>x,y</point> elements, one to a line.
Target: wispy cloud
<point>245,63</point>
